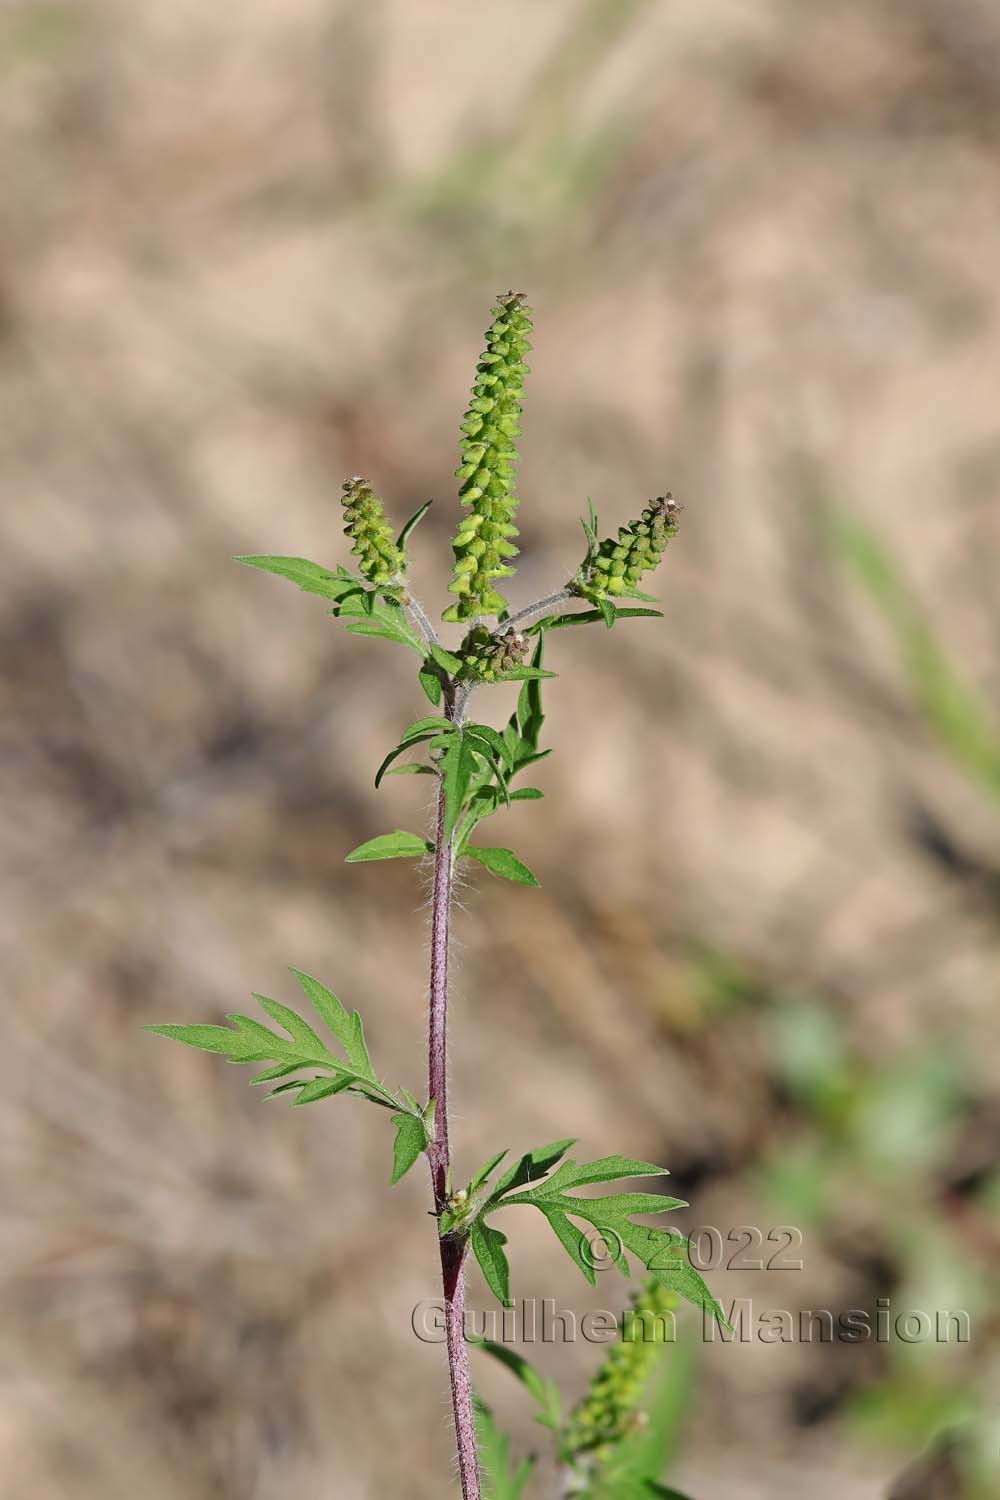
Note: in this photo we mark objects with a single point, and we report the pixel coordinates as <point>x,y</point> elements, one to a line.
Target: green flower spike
<point>610,1409</point>
<point>487,656</point>
<point>489,454</point>
<point>381,561</point>
<point>615,567</point>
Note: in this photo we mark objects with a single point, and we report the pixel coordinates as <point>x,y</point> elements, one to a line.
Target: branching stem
<point>439,1153</point>
<point>540,606</point>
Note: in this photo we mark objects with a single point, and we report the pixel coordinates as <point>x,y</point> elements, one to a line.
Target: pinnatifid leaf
<point>502,862</point>
<point>246,1040</point>
<point>299,1030</point>
<point>346,1027</point>
<point>663,1251</point>
<point>396,845</point>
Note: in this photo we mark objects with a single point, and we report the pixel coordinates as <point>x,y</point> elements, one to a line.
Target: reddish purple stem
<point>452,1248</point>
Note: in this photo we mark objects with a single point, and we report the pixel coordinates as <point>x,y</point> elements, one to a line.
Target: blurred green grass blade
<point>954,710</point>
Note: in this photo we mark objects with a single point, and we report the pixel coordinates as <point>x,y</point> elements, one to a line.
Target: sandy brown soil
<point>248,253</point>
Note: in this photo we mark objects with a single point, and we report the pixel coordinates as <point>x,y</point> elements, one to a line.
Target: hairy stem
<point>418,614</point>
<point>540,606</point>
<point>439,1153</point>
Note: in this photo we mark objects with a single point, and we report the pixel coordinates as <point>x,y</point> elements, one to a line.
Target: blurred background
<point>249,252</point>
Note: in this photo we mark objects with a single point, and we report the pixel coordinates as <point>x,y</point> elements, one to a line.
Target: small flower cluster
<point>609,1411</point>
<point>487,656</point>
<point>489,453</point>
<point>381,561</point>
<point>615,567</point>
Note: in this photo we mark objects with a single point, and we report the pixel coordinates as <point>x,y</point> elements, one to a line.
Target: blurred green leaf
<point>396,845</point>
<point>502,862</point>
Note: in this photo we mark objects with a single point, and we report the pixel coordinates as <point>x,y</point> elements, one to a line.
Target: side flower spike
<point>381,561</point>
<point>616,566</point>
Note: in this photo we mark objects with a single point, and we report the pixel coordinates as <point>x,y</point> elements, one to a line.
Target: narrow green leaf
<point>608,611</point>
<point>395,845</point>
<point>413,523</point>
<point>256,1043</point>
<point>357,1048</point>
<point>309,576</point>
<point>431,684</point>
<point>446,659</point>
<point>207,1038</point>
<point>331,1012</point>
<point>457,768</point>
<point>531,1167</point>
<point>502,862</point>
<point>530,715</point>
<point>571,1240</point>
<point>605,1169</point>
<point>364,627</point>
<point>524,761</point>
<point>501,1481</point>
<point>484,1172</point>
<point>501,749</point>
<point>592,616</point>
<point>487,1245</point>
<point>410,1141</point>
<point>281,1071</point>
<point>321,1088</point>
<point>399,750</point>
<point>433,723</point>
<point>526,674</point>
<point>527,794</point>
<point>544,1392</point>
<point>412,768</point>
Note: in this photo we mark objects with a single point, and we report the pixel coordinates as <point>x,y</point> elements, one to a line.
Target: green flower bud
<point>487,655</point>
<point>381,561</point>
<point>609,1411</point>
<point>617,565</point>
<point>489,453</point>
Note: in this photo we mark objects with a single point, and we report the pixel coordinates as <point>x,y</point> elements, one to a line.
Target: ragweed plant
<point>616,1441</point>
<point>475,765</point>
